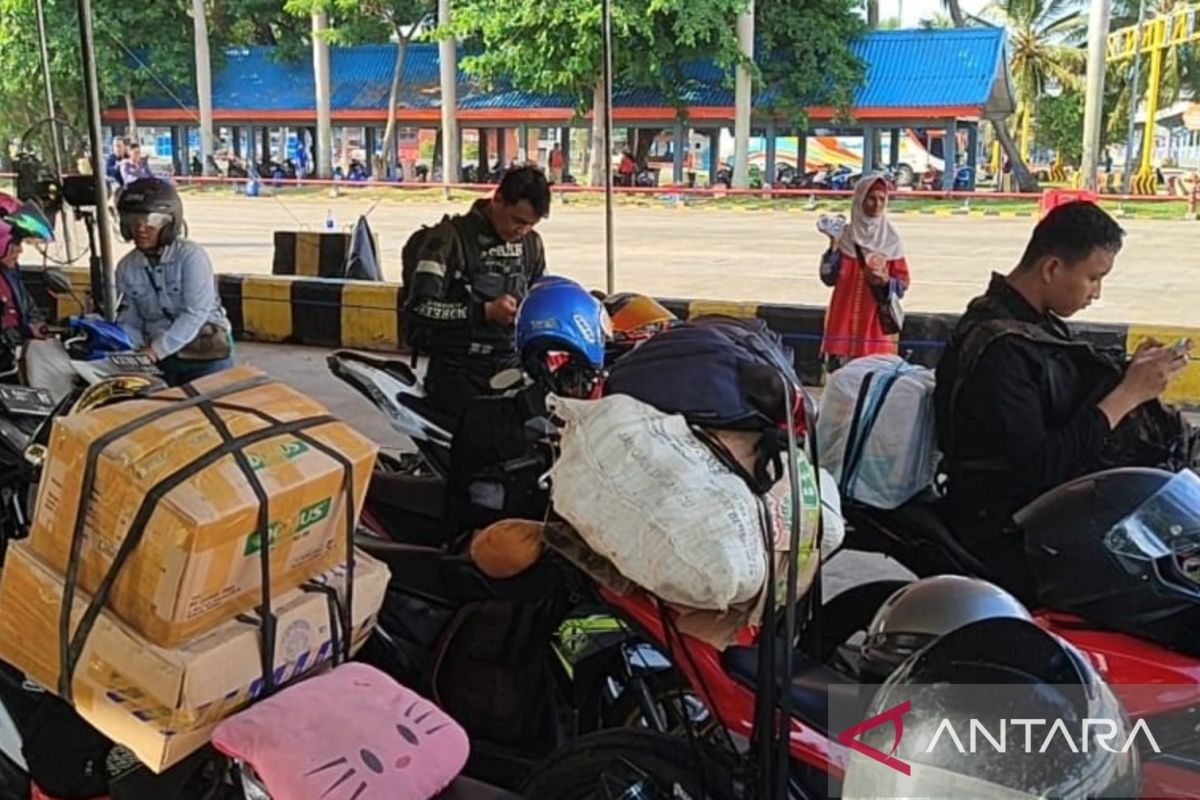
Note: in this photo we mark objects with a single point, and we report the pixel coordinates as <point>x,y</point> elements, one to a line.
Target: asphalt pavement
<point>736,255</point>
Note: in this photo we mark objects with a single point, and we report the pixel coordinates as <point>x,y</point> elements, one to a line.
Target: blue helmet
<point>560,315</point>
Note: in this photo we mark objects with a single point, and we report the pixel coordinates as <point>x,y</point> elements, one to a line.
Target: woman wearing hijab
<point>863,260</point>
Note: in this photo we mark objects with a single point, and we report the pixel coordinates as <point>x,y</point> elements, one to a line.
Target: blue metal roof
<point>905,70</point>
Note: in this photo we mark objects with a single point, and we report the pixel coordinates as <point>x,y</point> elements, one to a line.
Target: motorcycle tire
<point>626,763</point>
<point>672,698</point>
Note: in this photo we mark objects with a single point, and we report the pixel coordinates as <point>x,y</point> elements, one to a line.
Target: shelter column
<point>769,177</point>
<point>951,155</point>
<point>680,137</point>
<point>870,157</point>
<point>973,152</point>
<point>894,142</point>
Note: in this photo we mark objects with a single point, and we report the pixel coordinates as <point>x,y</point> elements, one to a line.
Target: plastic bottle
<point>329,224</point>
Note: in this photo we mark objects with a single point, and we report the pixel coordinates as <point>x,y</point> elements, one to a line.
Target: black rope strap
<point>71,650</point>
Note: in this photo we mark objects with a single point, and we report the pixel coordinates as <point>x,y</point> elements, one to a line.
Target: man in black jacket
<point>471,273</point>
<point>1022,406</point>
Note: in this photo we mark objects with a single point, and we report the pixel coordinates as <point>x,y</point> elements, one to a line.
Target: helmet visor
<point>1165,530</point>
<point>150,219</point>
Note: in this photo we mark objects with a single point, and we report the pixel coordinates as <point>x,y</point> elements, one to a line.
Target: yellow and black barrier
<point>367,316</point>
<point>312,254</point>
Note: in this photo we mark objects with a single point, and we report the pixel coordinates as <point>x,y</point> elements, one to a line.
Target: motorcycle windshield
<point>1165,529</point>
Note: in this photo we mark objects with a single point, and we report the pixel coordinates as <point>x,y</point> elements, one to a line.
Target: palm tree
<point>1039,32</point>
<point>1025,180</point>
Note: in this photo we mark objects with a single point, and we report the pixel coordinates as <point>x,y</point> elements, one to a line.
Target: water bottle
<point>329,225</point>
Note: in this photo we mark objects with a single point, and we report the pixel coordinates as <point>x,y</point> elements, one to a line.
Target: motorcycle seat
<point>922,516</point>
<point>811,689</point>
<point>422,406</point>
<point>419,494</point>
<point>401,371</point>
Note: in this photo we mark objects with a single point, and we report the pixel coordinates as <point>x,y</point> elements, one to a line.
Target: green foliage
<point>129,37</point>
<point>556,47</point>
<point>1059,125</point>
<point>804,50</point>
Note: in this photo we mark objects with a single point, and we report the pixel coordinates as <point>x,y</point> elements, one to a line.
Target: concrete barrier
<point>366,315</point>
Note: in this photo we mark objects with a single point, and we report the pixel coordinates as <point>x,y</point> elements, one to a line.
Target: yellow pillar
<point>1145,176</point>
<point>996,161</point>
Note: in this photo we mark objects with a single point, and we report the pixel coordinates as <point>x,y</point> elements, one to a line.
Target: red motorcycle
<point>1154,680</point>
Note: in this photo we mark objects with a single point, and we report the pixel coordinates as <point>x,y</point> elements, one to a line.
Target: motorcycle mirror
<point>58,281</point>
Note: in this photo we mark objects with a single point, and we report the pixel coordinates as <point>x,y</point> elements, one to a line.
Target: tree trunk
<point>132,133</point>
<point>872,14</point>
<point>598,152</point>
<point>956,13</point>
<point>387,164</point>
<point>645,140</point>
<point>203,84</point>
<point>1026,182</point>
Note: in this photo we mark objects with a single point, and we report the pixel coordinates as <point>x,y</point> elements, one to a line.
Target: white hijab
<point>872,234</point>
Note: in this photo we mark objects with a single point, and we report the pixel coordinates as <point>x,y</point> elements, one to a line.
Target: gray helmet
<point>922,611</point>
<point>995,673</point>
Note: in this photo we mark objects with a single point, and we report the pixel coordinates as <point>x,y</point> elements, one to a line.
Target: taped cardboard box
<point>197,563</point>
<point>163,703</point>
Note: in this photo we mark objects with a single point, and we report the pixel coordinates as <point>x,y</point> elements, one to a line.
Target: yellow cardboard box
<point>198,561</point>
<point>163,703</point>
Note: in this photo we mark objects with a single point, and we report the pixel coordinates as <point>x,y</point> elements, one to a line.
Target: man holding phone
<point>1023,406</point>
<point>471,272</point>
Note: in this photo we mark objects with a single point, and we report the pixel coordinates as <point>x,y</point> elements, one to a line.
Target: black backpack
<point>718,372</point>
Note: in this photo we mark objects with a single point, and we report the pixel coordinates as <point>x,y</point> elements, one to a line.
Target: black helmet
<point>1121,548</point>
<point>151,196</point>
<point>963,732</point>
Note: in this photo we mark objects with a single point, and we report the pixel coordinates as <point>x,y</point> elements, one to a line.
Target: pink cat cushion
<point>351,734</point>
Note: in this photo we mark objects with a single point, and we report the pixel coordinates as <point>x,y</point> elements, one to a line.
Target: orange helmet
<point>632,312</point>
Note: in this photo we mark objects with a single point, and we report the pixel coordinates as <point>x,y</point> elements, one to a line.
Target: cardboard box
<point>163,703</point>
<point>198,562</point>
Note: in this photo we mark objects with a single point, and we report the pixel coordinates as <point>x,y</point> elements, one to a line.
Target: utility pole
<point>1094,100</point>
<point>203,83</point>
<point>324,154</point>
<point>104,288</point>
<point>742,97</point>
<point>609,240</point>
<point>448,59</point>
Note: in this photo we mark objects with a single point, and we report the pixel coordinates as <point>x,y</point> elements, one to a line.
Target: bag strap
<point>852,437</point>
<point>877,403</point>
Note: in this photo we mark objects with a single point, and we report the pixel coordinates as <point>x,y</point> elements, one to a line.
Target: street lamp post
<point>1094,100</point>
<point>103,282</point>
<point>609,244</point>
